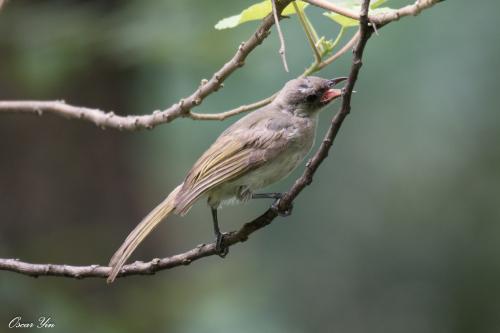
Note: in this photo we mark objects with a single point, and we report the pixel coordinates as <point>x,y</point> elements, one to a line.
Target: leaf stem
<point>339,36</point>
<point>317,65</point>
<point>310,33</point>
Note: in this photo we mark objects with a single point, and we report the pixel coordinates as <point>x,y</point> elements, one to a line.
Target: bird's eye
<point>311,98</point>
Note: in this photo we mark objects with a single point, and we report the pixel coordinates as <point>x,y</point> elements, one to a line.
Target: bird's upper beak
<point>334,82</point>
<point>330,94</point>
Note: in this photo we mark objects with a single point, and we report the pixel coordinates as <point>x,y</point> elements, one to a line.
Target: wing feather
<point>225,170</point>
<point>232,155</point>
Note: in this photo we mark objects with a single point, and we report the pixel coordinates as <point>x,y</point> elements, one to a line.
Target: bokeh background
<point>399,232</point>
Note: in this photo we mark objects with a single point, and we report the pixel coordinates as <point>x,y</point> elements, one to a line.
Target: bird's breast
<point>299,141</point>
<point>280,162</point>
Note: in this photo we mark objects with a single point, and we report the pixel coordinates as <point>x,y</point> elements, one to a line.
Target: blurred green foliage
<point>399,232</point>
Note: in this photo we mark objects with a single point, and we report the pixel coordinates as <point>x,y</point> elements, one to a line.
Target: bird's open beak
<point>331,94</point>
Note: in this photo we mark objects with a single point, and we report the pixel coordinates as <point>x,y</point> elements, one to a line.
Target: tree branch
<point>378,19</point>
<point>138,267</point>
<point>180,109</point>
<point>231,238</point>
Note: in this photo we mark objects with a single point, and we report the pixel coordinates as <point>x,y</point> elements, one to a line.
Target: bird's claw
<point>285,213</point>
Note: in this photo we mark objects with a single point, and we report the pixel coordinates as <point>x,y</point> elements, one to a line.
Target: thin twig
<point>374,26</point>
<point>280,35</point>
<point>233,112</point>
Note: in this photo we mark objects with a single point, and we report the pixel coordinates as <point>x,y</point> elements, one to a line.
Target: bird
<point>258,150</point>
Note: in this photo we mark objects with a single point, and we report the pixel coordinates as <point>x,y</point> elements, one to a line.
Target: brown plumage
<point>256,151</point>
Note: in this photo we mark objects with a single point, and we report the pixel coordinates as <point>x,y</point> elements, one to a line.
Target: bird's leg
<point>276,196</point>
<point>221,250</point>
<point>272,195</point>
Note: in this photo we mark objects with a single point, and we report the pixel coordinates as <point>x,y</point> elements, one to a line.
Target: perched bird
<point>256,151</point>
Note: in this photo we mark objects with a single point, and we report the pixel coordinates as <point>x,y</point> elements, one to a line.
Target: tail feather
<point>140,232</point>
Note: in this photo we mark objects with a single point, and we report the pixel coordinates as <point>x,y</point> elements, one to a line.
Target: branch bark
<point>231,238</point>
<point>182,108</point>
<point>378,19</point>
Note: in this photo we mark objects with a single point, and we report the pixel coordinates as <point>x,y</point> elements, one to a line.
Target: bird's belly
<point>274,170</point>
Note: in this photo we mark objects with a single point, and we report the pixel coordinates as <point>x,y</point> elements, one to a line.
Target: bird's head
<point>307,95</point>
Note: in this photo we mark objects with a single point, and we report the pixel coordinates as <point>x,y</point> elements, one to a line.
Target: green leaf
<point>347,22</point>
<point>377,3</point>
<point>255,12</point>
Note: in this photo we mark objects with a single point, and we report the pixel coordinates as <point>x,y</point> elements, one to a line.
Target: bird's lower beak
<point>330,95</point>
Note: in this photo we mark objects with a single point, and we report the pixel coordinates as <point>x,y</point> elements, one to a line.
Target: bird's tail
<point>140,232</point>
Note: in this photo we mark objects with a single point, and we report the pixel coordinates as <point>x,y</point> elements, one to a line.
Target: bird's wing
<point>233,154</point>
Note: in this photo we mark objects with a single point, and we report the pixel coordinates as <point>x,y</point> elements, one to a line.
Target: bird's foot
<point>287,212</point>
<point>220,249</point>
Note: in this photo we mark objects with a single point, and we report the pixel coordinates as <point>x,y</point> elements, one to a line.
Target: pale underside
<point>256,151</point>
